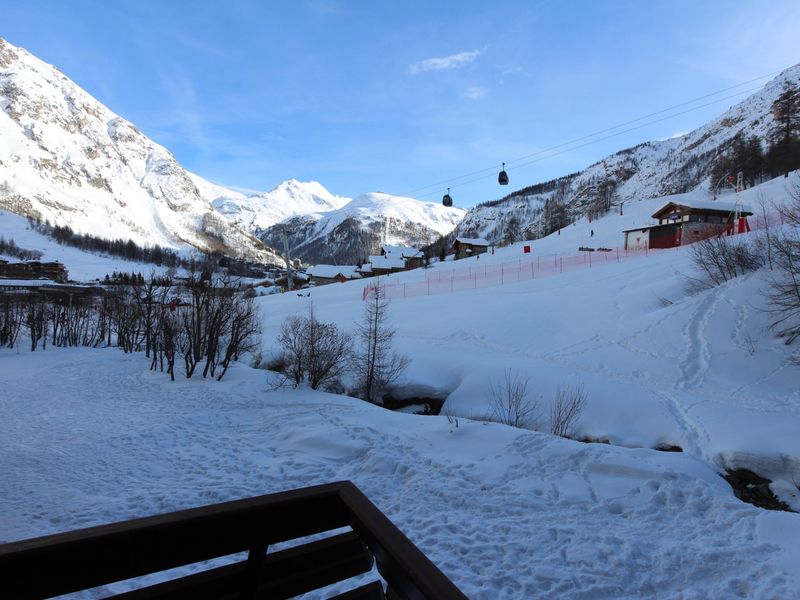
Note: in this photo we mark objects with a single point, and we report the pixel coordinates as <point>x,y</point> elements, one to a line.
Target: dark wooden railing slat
<point>78,560</point>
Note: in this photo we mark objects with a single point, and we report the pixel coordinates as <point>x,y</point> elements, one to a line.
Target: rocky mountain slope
<point>649,170</point>
<point>67,158</point>
<point>351,233</point>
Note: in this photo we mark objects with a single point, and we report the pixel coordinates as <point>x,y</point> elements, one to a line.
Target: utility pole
<point>289,281</point>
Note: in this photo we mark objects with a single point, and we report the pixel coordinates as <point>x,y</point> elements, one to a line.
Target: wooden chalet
<point>466,247</point>
<point>686,222</point>
<point>325,274</point>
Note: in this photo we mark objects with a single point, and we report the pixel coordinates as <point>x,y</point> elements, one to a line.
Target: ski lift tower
<point>737,210</point>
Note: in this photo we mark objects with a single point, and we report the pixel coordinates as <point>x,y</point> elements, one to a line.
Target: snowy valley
<point>686,387</point>
<point>505,512</point>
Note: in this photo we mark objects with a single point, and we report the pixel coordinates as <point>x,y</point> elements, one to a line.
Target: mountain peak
<point>67,158</point>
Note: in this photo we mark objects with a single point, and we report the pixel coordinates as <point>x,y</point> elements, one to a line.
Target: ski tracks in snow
<point>697,356</point>
<point>695,436</point>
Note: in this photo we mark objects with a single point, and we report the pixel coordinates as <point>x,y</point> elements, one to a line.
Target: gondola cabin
<point>447,200</point>
<point>502,177</point>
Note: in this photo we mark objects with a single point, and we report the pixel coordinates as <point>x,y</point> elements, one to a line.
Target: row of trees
<point>127,249</point>
<point>203,323</point>
<point>748,155</point>
<point>9,248</point>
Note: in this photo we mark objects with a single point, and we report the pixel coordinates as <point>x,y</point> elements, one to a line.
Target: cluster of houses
<point>48,279</point>
<point>392,259</point>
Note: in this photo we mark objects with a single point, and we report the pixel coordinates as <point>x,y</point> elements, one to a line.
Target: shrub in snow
<point>509,402</point>
<point>313,352</point>
<point>567,408</point>
<point>720,259</point>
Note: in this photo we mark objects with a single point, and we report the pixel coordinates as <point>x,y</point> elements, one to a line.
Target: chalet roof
<point>387,262</point>
<point>648,227</point>
<point>704,205</point>
<point>472,241</point>
<point>365,268</point>
<point>333,271</point>
<point>402,251</point>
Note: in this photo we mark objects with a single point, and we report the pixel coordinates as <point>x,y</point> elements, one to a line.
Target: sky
<point>406,97</point>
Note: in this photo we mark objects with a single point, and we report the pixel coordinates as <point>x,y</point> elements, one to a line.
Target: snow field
<point>505,513</point>
<point>660,366</point>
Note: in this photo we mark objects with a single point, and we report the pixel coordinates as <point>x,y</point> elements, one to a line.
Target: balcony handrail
<point>83,559</point>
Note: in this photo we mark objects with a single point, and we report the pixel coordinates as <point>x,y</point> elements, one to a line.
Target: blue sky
<point>395,96</point>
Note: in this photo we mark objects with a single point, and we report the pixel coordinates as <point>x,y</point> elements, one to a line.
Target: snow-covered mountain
<point>290,198</point>
<point>67,158</point>
<point>352,232</point>
<point>649,170</point>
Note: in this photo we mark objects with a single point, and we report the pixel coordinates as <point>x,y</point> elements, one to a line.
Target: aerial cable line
<point>599,132</point>
<point>540,158</point>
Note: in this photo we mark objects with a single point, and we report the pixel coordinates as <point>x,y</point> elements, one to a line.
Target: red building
<point>686,222</point>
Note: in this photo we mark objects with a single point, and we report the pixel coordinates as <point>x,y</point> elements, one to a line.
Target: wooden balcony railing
<point>83,559</point>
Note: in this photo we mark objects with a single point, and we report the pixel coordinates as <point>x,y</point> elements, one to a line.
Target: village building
<point>385,264</point>
<point>325,274</point>
<point>413,258</point>
<point>466,247</point>
<point>365,270</point>
<point>34,269</point>
<point>686,222</point>
<point>299,280</point>
<point>47,288</point>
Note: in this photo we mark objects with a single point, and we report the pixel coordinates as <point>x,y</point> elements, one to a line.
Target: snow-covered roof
<point>365,268</point>
<point>333,271</point>
<point>387,262</point>
<point>402,251</point>
<point>706,204</point>
<point>473,241</point>
<point>32,283</point>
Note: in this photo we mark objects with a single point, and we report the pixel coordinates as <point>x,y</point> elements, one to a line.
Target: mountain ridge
<point>647,170</point>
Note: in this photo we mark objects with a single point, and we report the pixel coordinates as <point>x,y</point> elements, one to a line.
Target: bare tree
<point>313,351</point>
<point>567,408</point>
<point>12,311</point>
<point>784,293</point>
<point>764,205</point>
<point>509,402</point>
<point>376,364</point>
<point>243,332</point>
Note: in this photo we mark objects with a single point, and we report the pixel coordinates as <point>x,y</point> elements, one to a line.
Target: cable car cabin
<point>502,177</point>
<point>686,222</point>
<point>446,199</point>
